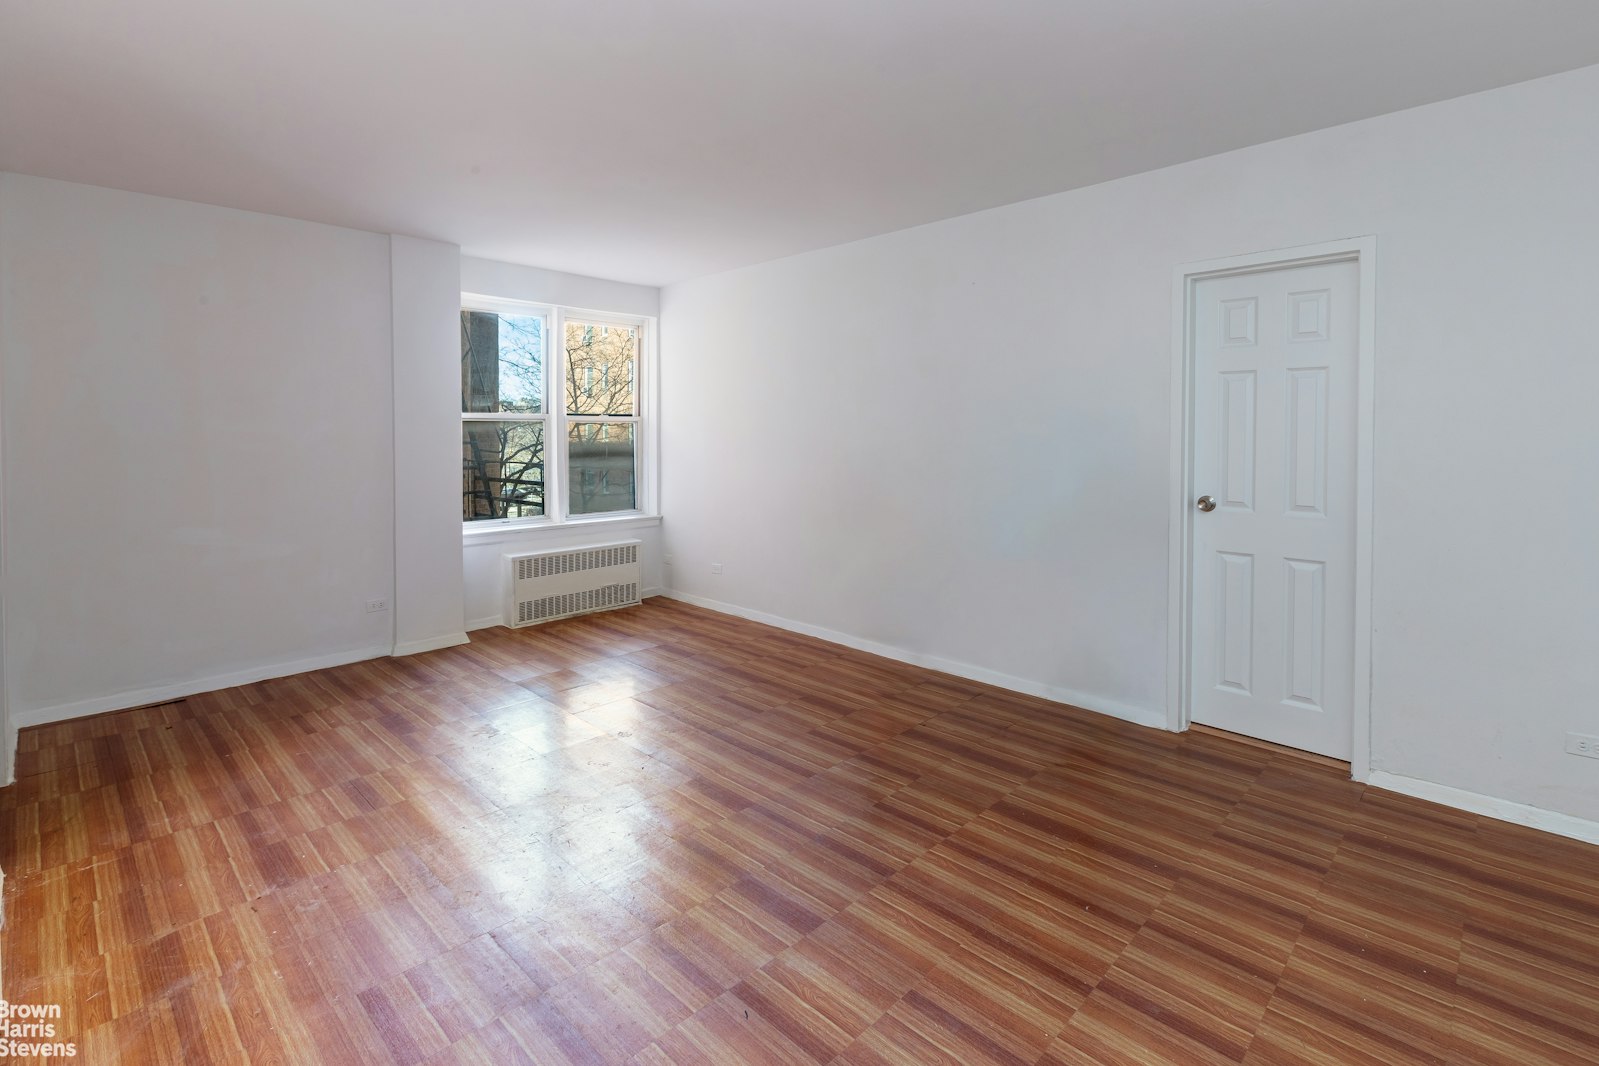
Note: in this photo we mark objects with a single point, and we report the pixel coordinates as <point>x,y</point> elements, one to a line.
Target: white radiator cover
<point>548,585</point>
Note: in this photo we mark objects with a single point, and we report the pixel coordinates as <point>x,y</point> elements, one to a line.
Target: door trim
<point>1363,252</point>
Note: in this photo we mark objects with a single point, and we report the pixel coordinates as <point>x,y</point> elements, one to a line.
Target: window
<point>548,431</point>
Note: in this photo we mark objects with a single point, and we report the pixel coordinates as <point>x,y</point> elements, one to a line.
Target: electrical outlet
<point>716,568</point>
<point>374,606</point>
<point>667,559</point>
<point>1583,744</point>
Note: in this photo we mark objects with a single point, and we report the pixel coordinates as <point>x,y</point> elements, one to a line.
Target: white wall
<point>428,596</point>
<point>954,440</point>
<point>512,281</point>
<point>198,446</point>
<point>484,551</point>
<point>223,433</point>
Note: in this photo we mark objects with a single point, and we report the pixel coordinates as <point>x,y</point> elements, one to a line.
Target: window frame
<point>557,421</point>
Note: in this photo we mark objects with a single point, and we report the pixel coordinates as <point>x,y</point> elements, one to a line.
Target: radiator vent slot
<point>553,563</point>
<point>559,584</point>
<point>548,607</point>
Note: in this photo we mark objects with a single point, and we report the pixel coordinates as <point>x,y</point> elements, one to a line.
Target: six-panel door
<point>1275,359</point>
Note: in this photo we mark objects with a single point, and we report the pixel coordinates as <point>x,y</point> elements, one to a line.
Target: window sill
<point>503,534</point>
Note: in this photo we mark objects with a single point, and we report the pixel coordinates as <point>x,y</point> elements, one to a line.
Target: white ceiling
<point>654,140</point>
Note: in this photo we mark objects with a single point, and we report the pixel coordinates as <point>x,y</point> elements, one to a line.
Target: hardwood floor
<point>663,835</point>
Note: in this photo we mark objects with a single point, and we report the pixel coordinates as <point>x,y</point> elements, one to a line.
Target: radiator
<point>558,584</point>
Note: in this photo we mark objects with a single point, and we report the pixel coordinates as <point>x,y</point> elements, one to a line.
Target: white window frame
<point>557,422</point>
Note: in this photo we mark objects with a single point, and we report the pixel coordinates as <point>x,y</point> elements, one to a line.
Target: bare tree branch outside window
<point>502,371</point>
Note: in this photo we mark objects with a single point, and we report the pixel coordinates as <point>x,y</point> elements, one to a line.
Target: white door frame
<point>1363,252</point>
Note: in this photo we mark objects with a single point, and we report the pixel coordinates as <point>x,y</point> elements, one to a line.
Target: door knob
<point>1206,503</point>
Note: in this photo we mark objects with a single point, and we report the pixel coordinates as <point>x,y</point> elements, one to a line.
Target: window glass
<point>502,469</point>
<point>600,360</point>
<point>502,363</point>
<point>600,462</point>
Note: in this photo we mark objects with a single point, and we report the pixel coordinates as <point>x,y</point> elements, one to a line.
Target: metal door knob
<point>1206,503</point>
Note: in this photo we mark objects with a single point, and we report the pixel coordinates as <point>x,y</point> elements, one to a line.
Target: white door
<point>1275,360</point>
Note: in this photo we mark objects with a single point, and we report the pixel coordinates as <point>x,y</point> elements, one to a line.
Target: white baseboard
<point>1154,718</point>
<point>121,701</point>
<point>1565,825</point>
<point>416,647</point>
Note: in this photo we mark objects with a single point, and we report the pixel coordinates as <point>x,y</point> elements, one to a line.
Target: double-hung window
<point>550,413</point>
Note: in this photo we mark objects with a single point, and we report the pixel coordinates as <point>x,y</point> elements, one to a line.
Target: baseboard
<point>1565,825</point>
<point>122,701</point>
<point>1154,718</point>
<point>416,647</point>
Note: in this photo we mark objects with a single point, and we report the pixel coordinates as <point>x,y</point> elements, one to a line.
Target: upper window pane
<point>600,360</point>
<point>502,363</point>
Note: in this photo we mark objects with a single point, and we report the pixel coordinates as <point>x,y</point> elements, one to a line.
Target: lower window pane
<point>599,460</point>
<point>502,470</point>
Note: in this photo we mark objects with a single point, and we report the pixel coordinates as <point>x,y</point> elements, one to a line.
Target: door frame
<point>1179,629</point>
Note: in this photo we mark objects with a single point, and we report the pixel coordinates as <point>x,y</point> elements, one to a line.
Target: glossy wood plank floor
<point>662,835</point>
